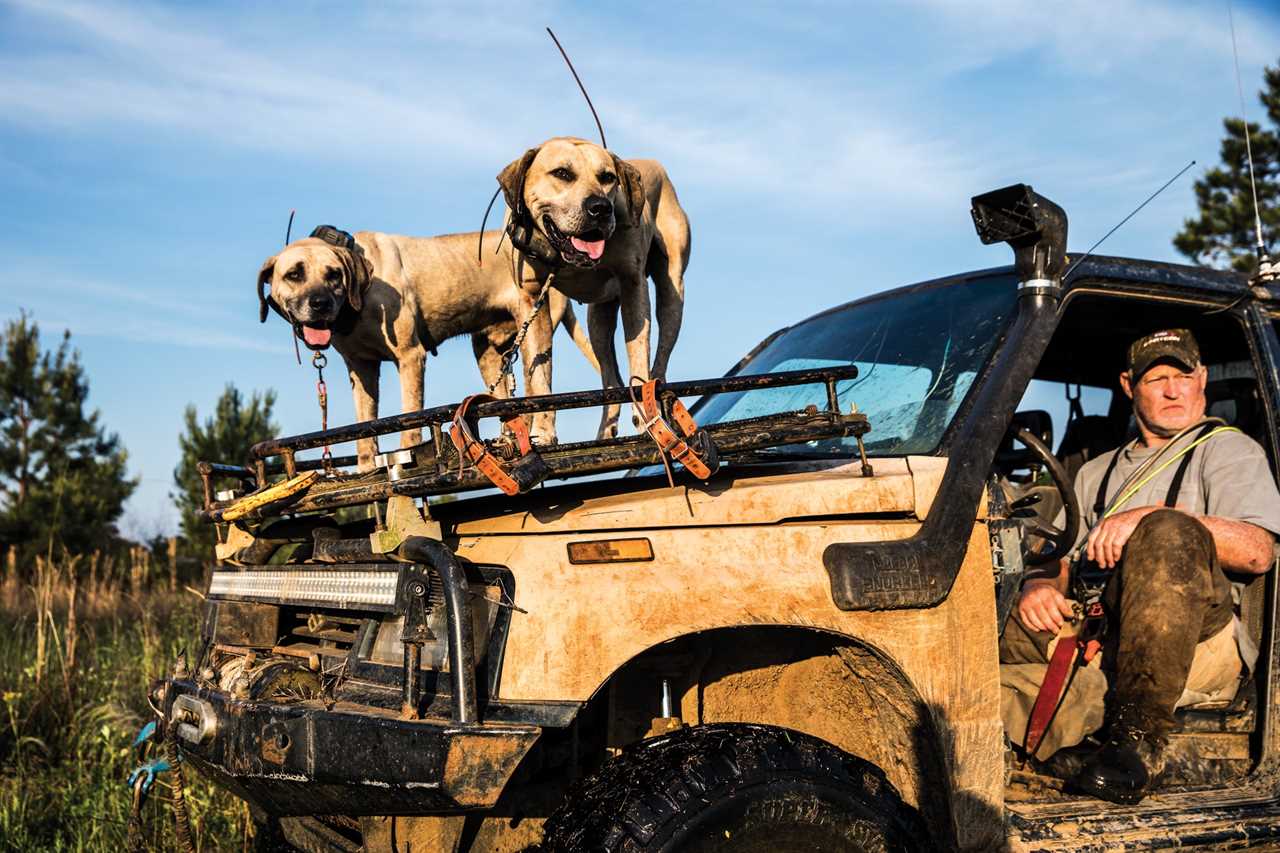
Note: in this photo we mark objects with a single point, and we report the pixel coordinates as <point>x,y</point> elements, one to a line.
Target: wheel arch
<point>833,686</point>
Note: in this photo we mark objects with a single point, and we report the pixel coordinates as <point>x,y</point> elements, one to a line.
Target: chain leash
<point>320,362</point>
<point>509,357</point>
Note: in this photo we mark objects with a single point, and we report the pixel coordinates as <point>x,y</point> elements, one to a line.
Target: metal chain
<point>509,357</point>
<point>320,362</point>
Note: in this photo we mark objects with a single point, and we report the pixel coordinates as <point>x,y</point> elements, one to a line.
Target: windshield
<point>917,354</point>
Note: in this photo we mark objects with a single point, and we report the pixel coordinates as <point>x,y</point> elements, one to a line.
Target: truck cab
<point>798,652</point>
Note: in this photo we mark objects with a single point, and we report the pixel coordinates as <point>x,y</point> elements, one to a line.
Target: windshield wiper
<point>774,454</point>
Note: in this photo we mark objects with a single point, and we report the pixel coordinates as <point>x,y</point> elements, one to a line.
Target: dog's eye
<point>607,178</point>
<point>562,173</point>
<point>333,276</point>
<point>295,274</point>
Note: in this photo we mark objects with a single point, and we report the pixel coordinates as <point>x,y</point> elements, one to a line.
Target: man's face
<point>1167,398</point>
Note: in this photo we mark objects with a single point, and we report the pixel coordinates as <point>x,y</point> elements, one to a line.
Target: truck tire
<point>734,787</point>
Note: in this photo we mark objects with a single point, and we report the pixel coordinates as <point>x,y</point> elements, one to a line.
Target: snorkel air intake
<point>920,570</point>
<point>1035,227</point>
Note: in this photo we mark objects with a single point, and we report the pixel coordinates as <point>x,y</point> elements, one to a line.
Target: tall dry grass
<point>81,638</point>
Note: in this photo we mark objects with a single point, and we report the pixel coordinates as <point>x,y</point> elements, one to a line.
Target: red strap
<point>478,452</point>
<point>664,436</point>
<point>1055,677</point>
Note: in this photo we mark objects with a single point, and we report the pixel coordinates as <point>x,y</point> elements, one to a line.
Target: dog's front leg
<point>668,287</point>
<point>535,355</point>
<point>364,389</point>
<point>635,325</point>
<point>602,323</point>
<point>411,366</point>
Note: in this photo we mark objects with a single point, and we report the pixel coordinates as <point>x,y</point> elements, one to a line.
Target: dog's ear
<point>511,179</point>
<point>359,275</point>
<point>632,185</point>
<point>264,276</point>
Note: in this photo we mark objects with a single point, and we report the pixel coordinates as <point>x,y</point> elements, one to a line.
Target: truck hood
<point>902,486</point>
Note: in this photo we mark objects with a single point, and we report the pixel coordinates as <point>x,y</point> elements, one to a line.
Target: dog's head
<point>312,283</point>
<point>576,194</point>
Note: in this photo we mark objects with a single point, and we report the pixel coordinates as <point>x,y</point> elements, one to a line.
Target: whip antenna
<point>1132,213</point>
<point>483,223</point>
<point>288,229</point>
<point>578,80</point>
<point>1261,246</point>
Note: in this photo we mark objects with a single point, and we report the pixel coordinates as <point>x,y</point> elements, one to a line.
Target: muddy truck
<point>787,641</point>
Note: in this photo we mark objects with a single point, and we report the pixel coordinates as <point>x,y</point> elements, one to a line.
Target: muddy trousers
<point>1168,596</point>
<point>1168,605</point>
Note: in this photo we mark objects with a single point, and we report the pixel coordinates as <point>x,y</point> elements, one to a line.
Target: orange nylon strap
<point>664,436</point>
<point>478,452</point>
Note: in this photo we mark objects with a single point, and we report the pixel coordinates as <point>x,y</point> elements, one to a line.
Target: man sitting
<point>1165,532</point>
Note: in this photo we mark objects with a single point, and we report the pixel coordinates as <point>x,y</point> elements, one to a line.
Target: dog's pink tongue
<point>316,337</point>
<point>593,249</point>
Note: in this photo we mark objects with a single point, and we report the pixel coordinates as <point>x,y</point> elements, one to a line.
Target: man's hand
<point>1106,541</point>
<point>1043,607</point>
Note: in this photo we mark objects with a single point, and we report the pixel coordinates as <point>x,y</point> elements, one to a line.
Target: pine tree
<point>226,436</point>
<point>62,477</point>
<point>1223,235</point>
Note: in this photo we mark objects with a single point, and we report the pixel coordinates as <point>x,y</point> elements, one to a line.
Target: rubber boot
<point>1125,768</point>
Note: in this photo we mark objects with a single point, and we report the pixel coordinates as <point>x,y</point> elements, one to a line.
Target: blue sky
<point>150,154</point>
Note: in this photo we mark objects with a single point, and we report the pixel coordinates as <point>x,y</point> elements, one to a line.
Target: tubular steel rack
<point>434,467</point>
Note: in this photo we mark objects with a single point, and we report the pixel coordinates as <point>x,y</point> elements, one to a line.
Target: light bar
<point>367,590</point>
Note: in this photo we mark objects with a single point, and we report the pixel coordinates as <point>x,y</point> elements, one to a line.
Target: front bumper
<point>308,758</point>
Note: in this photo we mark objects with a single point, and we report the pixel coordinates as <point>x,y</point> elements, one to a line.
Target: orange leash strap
<point>472,448</point>
<point>665,437</point>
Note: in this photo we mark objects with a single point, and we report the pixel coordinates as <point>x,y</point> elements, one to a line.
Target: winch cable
<point>181,818</point>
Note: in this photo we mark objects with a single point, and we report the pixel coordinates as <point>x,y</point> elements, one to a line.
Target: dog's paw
<point>542,437</point>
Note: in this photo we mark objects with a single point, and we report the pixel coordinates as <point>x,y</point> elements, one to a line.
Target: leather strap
<point>472,448</point>
<point>1051,690</point>
<point>1175,485</point>
<point>665,437</point>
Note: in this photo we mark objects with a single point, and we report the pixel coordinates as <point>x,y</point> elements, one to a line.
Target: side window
<point>1056,399</point>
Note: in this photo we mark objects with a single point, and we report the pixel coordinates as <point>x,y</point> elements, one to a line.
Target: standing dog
<point>602,225</point>
<point>380,297</point>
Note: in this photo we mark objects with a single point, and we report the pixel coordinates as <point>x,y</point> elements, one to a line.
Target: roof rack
<point>434,468</point>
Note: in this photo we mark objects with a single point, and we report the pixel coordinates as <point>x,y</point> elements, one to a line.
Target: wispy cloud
<point>721,120</point>
<point>109,309</point>
<point>1100,38</point>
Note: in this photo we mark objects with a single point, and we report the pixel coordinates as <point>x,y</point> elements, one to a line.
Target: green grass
<point>75,663</point>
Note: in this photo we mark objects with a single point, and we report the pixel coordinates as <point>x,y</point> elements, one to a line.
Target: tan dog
<point>602,225</point>
<point>381,297</point>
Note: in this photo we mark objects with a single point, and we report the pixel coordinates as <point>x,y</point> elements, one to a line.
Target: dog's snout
<point>597,206</point>
<point>320,302</point>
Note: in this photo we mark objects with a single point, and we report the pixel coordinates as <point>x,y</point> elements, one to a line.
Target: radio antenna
<point>1132,213</point>
<point>1261,246</point>
<point>578,80</point>
<point>288,229</point>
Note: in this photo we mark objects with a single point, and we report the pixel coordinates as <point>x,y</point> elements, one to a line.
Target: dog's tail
<point>562,313</point>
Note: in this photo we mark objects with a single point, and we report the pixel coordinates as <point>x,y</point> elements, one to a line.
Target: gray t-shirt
<point>1228,477</point>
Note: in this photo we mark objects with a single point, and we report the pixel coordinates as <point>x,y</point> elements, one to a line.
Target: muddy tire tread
<point>632,798</point>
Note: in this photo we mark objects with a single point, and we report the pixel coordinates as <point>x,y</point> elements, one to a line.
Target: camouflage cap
<point>1175,344</point>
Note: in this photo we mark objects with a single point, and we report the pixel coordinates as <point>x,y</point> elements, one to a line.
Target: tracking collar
<point>336,237</point>
<point>528,241</point>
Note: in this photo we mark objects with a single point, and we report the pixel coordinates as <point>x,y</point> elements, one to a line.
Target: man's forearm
<point>1242,547</point>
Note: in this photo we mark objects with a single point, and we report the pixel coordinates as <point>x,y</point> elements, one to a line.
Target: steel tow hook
<point>141,780</point>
